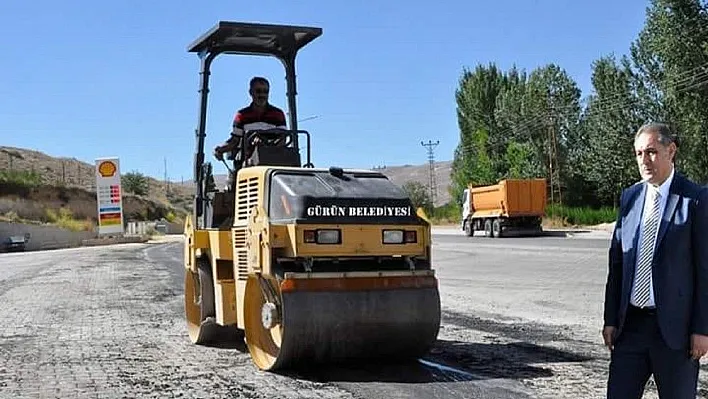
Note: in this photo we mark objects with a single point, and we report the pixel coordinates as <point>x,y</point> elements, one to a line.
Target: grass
<point>579,216</point>
<point>446,214</point>
<point>556,215</point>
<point>23,178</point>
<point>64,219</point>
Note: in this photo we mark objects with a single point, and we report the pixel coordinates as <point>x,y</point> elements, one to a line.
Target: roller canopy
<point>254,39</point>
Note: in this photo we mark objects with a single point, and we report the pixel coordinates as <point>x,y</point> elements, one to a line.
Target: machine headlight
<point>393,236</point>
<point>329,236</point>
<point>399,236</point>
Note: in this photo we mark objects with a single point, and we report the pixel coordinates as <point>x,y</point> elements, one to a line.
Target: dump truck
<point>510,206</point>
<point>307,264</point>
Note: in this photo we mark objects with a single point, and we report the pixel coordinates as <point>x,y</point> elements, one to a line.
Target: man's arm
<point>613,287</point>
<point>237,131</point>
<point>234,140</point>
<point>281,123</point>
<point>699,226</point>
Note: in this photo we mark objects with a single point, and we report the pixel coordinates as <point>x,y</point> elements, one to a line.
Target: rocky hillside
<point>70,183</point>
<point>73,186</point>
<point>421,173</point>
<point>400,175</point>
<point>70,172</point>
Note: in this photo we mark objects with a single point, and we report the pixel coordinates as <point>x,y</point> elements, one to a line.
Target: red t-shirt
<point>250,118</point>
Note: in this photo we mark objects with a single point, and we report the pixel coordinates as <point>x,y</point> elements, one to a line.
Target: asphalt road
<point>521,319</point>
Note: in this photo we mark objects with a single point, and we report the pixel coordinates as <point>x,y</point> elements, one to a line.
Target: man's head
<point>654,148</point>
<point>259,88</point>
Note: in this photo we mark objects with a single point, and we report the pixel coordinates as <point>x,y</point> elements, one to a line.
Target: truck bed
<point>510,198</point>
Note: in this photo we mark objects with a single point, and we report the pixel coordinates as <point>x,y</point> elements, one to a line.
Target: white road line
<point>446,368</point>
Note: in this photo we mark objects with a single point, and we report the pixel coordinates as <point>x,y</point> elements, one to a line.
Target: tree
<point>478,157</point>
<point>671,59</point>
<point>135,182</point>
<point>419,195</point>
<point>541,113</point>
<point>609,121</point>
<point>520,161</point>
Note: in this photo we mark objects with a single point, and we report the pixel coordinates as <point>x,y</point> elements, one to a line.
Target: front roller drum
<point>317,320</point>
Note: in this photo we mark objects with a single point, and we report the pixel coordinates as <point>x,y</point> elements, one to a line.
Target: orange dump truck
<point>512,205</point>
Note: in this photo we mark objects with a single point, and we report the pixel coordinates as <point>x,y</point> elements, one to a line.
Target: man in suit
<point>656,297</point>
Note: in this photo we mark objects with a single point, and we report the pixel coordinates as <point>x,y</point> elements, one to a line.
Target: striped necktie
<point>646,250</point>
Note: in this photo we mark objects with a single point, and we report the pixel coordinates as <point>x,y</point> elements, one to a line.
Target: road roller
<point>308,265</point>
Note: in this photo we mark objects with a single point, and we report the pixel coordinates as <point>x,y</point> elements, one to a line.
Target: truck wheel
<point>469,231</point>
<point>488,228</point>
<point>496,228</point>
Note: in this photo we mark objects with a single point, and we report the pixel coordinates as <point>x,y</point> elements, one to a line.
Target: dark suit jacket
<point>680,268</point>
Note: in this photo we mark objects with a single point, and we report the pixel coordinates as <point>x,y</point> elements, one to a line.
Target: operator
<point>260,114</point>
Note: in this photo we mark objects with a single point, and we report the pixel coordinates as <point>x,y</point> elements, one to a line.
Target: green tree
<point>419,195</point>
<point>477,157</point>
<point>135,182</point>
<point>671,59</point>
<point>609,121</point>
<point>542,112</point>
<point>520,161</point>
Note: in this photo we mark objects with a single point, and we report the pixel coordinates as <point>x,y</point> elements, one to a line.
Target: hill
<point>420,173</point>
<point>400,175</point>
<point>70,183</point>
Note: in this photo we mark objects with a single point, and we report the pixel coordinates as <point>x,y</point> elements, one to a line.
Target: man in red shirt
<point>260,114</point>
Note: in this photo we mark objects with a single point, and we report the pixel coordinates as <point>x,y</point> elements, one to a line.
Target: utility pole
<point>430,146</point>
<point>167,186</point>
<point>553,166</point>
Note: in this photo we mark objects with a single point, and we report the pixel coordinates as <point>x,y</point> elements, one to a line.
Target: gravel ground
<point>533,309</point>
<point>107,322</point>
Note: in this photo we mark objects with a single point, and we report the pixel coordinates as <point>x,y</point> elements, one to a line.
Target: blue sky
<point>89,79</point>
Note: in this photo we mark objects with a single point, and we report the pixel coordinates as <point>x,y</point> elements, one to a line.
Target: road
<point>521,319</point>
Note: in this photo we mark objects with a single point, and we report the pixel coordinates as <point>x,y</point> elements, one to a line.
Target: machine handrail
<point>249,134</point>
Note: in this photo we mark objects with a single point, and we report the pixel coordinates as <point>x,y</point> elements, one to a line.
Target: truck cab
<point>465,208</point>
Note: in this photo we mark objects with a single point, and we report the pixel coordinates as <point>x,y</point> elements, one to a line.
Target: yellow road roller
<point>310,265</point>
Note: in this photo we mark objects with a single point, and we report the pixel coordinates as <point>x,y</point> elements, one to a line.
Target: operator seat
<point>274,155</point>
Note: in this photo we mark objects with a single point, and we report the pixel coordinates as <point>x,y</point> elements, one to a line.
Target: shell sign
<point>107,169</point>
<point>108,196</point>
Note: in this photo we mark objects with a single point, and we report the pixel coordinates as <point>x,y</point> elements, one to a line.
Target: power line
<point>430,146</point>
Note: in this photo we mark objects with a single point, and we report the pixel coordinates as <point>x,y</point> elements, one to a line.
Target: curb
<point>114,240</point>
<point>570,233</point>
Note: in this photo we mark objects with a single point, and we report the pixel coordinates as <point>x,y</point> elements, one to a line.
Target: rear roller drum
<point>199,303</point>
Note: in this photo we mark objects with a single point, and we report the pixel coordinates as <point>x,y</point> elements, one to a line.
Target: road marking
<point>446,368</point>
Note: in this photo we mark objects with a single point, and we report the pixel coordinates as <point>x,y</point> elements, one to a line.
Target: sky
<point>91,79</point>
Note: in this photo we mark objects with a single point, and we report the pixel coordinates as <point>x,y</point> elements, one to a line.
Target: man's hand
<point>219,153</point>
<point>608,334</point>
<point>699,346</point>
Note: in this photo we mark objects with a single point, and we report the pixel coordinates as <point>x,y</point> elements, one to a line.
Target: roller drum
<point>332,326</point>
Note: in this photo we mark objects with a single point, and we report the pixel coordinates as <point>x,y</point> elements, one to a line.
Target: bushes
<point>22,178</point>
<point>585,216</point>
<point>448,213</point>
<point>65,219</point>
<point>556,215</point>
